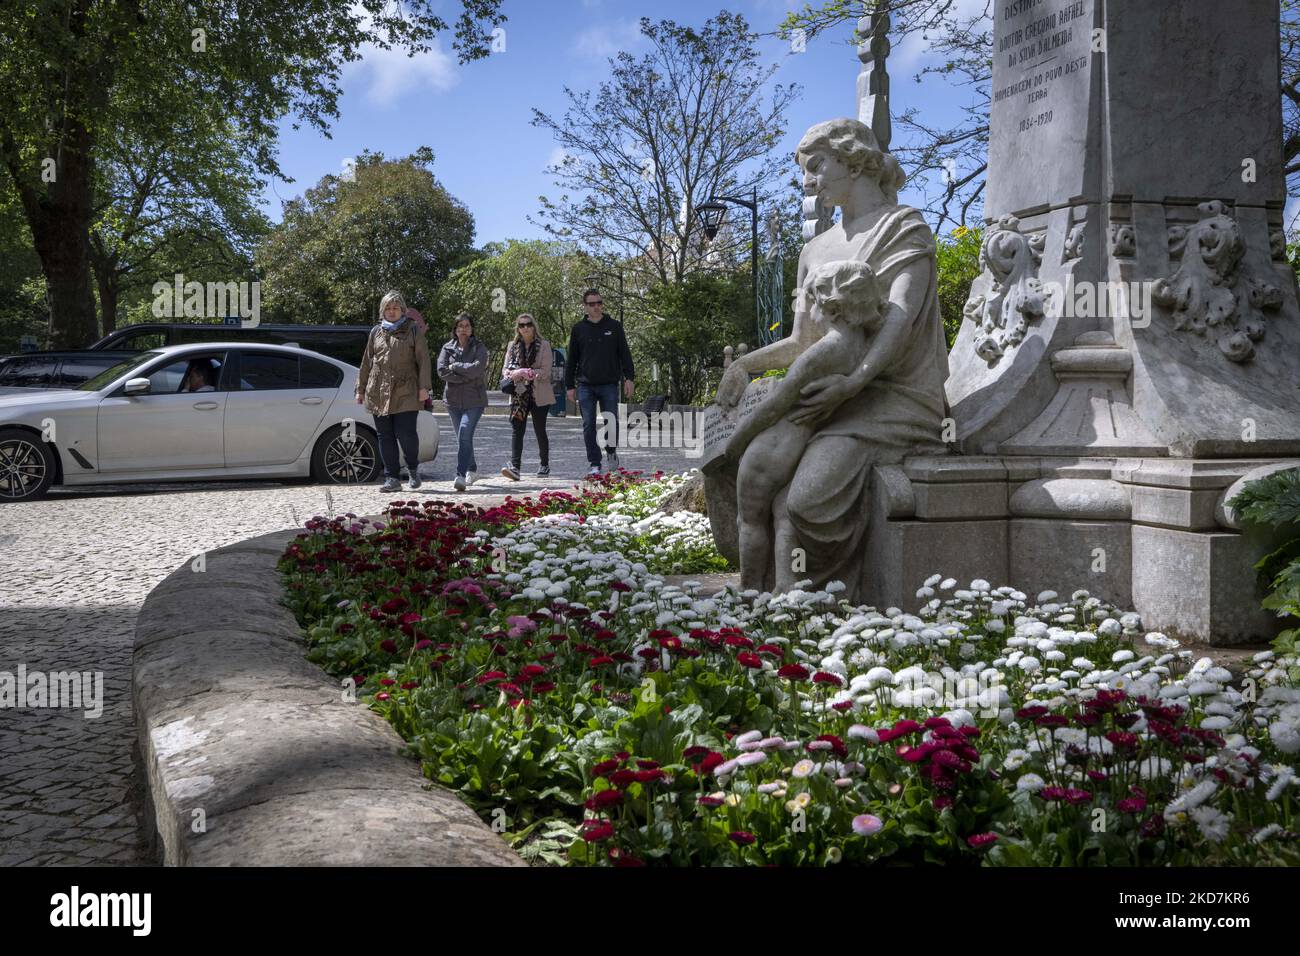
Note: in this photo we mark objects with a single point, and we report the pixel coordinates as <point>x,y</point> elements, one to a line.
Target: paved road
<point>74,571</point>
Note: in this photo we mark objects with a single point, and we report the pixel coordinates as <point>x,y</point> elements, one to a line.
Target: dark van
<point>343,342</point>
<point>54,370</point>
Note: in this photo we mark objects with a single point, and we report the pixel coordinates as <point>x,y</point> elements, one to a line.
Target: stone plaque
<point>718,426</point>
<point>1043,66</point>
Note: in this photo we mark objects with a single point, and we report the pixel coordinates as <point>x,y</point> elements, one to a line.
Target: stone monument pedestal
<point>1151,535</point>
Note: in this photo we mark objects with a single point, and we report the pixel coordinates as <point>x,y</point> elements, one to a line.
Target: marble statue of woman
<point>891,406</point>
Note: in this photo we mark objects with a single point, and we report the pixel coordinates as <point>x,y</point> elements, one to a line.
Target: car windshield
<point>116,371</point>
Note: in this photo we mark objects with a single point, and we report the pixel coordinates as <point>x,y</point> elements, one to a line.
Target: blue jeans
<point>607,397</point>
<point>394,429</point>
<point>463,423</point>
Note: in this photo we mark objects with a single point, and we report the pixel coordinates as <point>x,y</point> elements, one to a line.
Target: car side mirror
<point>136,386</point>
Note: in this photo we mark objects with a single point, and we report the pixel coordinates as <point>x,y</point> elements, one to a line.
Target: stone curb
<point>249,754</point>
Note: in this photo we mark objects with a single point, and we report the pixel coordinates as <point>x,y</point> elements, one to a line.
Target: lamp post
<point>593,281</point>
<point>712,212</point>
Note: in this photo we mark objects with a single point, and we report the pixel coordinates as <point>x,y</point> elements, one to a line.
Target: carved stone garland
<point>1212,293</point>
<point>1014,298</point>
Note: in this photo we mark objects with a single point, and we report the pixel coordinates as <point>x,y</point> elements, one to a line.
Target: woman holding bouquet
<point>528,369</point>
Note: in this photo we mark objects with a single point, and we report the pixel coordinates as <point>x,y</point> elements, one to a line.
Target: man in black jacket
<point>598,358</point>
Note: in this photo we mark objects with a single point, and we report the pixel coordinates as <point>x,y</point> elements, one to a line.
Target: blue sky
<point>476,117</point>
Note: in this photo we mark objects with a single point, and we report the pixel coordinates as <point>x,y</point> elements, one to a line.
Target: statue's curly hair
<point>856,146</point>
<point>850,286</point>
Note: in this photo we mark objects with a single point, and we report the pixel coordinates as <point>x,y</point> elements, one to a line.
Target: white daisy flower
<point>1283,780</point>
<point>1212,824</point>
<point>1193,798</point>
<point>1030,783</point>
<point>863,732</point>
<point>1015,759</point>
<point>1266,833</point>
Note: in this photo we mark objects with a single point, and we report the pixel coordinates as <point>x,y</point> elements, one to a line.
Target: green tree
<point>957,259</point>
<point>72,72</point>
<point>694,117</point>
<point>23,309</point>
<point>185,203</point>
<point>689,325</point>
<point>544,278</point>
<point>388,225</point>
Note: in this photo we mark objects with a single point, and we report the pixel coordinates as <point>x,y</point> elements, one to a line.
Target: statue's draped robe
<point>824,511</point>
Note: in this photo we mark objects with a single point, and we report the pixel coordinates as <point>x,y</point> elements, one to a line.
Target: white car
<point>189,412</point>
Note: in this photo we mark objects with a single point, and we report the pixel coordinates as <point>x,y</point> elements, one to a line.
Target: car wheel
<point>338,461</point>
<point>26,466</point>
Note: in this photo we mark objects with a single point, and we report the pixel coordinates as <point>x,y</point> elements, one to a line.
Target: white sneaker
<point>459,483</point>
<point>471,477</point>
<point>593,470</point>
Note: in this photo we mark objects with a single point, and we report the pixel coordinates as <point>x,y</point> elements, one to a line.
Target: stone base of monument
<point>1150,535</point>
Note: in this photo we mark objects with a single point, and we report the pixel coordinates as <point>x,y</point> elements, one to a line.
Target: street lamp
<point>712,212</point>
<point>593,281</point>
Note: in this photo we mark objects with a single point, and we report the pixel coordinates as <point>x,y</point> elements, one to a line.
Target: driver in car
<point>199,377</point>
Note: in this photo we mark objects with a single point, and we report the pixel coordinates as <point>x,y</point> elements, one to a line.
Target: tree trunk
<point>107,281</point>
<point>59,212</point>
<point>66,264</point>
<point>60,224</point>
<point>675,382</point>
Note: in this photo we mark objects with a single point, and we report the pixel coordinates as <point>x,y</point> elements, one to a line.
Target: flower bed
<point>539,664</point>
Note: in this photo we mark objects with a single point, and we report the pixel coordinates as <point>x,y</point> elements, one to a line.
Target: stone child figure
<point>843,298</point>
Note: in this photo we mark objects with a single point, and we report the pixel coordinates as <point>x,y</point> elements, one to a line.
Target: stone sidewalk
<point>74,571</point>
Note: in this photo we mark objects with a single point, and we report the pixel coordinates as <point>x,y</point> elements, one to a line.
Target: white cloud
<point>602,41</point>
<point>909,54</point>
<point>557,156</point>
<point>389,75</point>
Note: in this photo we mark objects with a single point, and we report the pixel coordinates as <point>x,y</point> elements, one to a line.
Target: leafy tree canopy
<point>389,224</point>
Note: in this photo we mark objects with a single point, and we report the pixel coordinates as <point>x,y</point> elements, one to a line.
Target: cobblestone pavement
<point>74,571</point>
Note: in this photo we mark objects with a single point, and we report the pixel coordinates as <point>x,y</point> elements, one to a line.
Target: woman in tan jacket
<point>394,385</point>
<point>528,365</point>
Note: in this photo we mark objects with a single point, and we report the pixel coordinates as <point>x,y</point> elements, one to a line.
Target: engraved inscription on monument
<point>1042,67</point>
<point>718,426</point>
